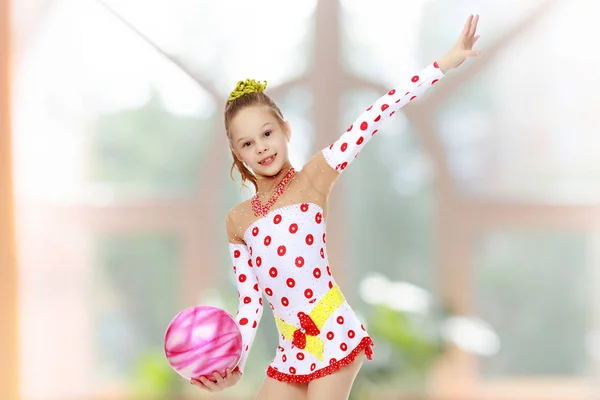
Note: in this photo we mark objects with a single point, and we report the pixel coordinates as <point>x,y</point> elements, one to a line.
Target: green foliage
<point>413,343</point>
<point>406,346</point>
<point>148,149</point>
<point>153,378</point>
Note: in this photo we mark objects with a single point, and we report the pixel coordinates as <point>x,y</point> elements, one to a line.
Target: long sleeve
<point>250,307</point>
<point>347,147</point>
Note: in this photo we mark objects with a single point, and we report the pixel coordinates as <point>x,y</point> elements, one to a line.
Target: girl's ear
<point>236,155</point>
<point>288,130</point>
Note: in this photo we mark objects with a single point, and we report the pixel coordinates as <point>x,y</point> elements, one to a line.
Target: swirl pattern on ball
<point>201,340</point>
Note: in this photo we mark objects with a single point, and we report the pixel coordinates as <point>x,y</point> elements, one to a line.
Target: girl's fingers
<point>209,384</point>
<point>199,384</point>
<point>218,377</point>
<point>467,26</point>
<point>474,26</point>
<point>468,45</point>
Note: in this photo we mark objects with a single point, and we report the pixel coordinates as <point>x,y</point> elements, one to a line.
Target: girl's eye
<point>246,144</point>
<point>268,133</point>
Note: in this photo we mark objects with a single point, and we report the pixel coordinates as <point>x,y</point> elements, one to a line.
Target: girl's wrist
<point>444,64</point>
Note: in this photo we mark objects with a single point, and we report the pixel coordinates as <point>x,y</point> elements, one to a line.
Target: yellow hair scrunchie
<point>245,87</point>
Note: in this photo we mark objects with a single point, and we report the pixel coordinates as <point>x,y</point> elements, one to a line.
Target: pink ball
<point>201,340</point>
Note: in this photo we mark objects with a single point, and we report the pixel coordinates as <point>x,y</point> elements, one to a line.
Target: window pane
<point>229,41</point>
<point>395,235</point>
<point>115,120</point>
<point>136,286</point>
<point>495,123</point>
<point>148,151</point>
<point>296,105</point>
<point>533,287</point>
<point>492,125</point>
<point>378,38</point>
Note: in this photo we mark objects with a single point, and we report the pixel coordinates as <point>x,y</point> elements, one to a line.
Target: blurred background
<point>473,248</point>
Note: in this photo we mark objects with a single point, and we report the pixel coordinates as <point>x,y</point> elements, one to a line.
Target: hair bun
<point>245,87</point>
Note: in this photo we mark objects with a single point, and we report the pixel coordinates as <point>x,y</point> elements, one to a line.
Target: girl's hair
<point>246,94</point>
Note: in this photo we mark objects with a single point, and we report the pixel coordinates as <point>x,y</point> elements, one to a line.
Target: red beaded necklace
<point>258,208</point>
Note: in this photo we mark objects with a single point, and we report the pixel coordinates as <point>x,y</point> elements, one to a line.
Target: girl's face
<point>258,140</point>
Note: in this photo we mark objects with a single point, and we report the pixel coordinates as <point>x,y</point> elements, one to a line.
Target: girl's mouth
<point>268,160</point>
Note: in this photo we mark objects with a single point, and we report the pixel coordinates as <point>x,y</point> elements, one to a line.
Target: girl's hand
<point>220,382</point>
<point>463,48</point>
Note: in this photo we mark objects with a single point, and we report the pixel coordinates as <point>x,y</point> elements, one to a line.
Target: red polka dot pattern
<point>250,305</point>
<point>293,228</point>
<point>346,148</point>
<point>310,239</point>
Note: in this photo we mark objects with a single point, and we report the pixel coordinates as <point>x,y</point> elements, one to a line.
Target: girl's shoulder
<point>318,174</point>
<point>236,219</point>
<point>240,207</point>
<point>238,212</point>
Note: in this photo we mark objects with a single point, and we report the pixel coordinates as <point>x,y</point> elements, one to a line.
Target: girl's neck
<point>267,184</point>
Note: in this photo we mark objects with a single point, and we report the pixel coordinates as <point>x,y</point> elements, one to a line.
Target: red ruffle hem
<point>365,344</point>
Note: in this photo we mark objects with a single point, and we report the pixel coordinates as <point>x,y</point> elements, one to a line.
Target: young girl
<point>277,239</point>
